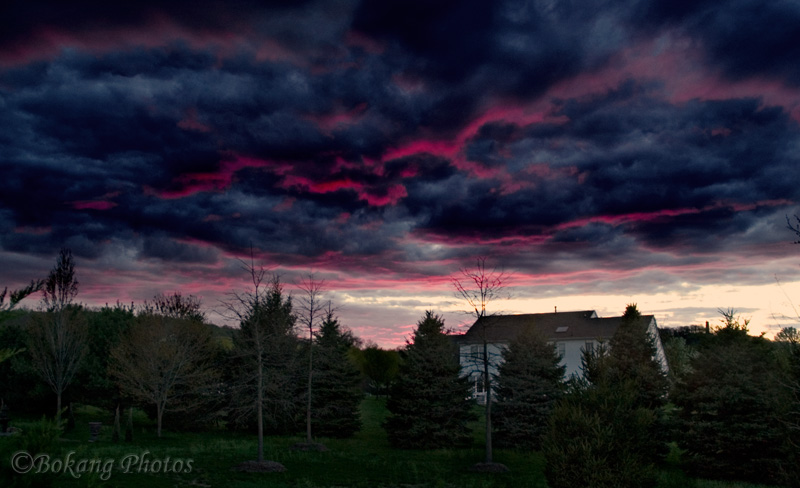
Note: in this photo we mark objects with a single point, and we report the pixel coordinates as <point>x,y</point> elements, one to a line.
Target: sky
<point>602,153</point>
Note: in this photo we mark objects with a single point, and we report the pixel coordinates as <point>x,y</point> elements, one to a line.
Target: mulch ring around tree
<point>260,467</point>
<point>489,468</point>
<point>309,447</point>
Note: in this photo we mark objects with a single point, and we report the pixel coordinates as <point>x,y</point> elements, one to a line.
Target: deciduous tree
<point>479,286</point>
<point>263,345</point>
<point>163,358</point>
<point>58,336</point>
<point>310,313</point>
<point>176,306</point>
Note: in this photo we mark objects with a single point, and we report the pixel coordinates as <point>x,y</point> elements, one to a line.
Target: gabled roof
<point>554,326</point>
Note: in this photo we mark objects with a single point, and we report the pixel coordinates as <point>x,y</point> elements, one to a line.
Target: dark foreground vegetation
<point>365,460</point>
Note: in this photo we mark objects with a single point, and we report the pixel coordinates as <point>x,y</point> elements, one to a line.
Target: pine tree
<point>429,401</point>
<point>337,382</point>
<point>730,409</point>
<point>632,358</point>
<point>608,431</point>
<point>595,438</point>
<point>529,382</point>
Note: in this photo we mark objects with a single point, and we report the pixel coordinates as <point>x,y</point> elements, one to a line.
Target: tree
<point>730,408</point>
<point>594,438</point>
<point>58,337</point>
<point>14,298</point>
<point>310,312</point>
<point>787,344</point>
<point>479,286</point>
<point>337,381</point>
<point>609,429</point>
<point>176,306</point>
<point>264,343</point>
<point>380,366</point>
<point>632,357</point>
<point>788,335</point>
<point>530,381</point>
<point>163,358</point>
<point>17,296</point>
<point>106,327</point>
<point>429,401</point>
<point>60,287</point>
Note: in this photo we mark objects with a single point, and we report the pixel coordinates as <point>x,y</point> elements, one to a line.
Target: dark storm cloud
<point>668,175</point>
<point>745,37</point>
<point>511,47</point>
<point>288,127</point>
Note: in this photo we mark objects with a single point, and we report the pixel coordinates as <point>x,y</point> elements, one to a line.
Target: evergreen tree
<point>595,438</point>
<point>609,430</point>
<point>429,401</point>
<point>529,382</point>
<point>267,392</point>
<point>730,408</point>
<point>632,357</point>
<point>337,382</point>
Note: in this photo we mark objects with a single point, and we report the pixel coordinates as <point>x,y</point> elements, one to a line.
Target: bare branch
<point>794,227</point>
<point>480,286</point>
<point>17,296</point>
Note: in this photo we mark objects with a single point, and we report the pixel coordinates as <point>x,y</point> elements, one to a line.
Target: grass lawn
<point>366,460</point>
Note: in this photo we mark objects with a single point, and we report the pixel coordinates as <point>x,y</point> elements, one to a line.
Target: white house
<point>571,332</point>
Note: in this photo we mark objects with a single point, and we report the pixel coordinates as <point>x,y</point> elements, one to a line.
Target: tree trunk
<point>260,408</point>
<point>58,407</point>
<point>488,388</point>
<point>310,374</point>
<point>159,413</point>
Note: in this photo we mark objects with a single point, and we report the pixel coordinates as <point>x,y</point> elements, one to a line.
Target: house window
<point>589,347</point>
<point>476,353</point>
<point>561,347</point>
<point>480,383</point>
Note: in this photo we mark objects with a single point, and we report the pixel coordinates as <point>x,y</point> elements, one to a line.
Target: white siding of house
<point>472,363</point>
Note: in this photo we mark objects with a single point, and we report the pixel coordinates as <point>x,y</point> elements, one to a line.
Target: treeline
<point>729,406</point>
<point>163,357</point>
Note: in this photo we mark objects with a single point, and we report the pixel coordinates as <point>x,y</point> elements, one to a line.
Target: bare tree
<point>479,286</point>
<point>310,313</point>
<point>176,306</point>
<point>58,337</point>
<point>265,322</point>
<point>162,359</point>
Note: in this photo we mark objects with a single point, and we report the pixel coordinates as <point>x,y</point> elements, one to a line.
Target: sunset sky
<point>642,151</point>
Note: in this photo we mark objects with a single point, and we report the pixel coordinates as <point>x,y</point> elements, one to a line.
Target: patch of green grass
<point>364,461</point>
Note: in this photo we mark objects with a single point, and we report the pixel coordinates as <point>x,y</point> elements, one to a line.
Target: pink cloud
<point>356,39</point>
<point>339,117</point>
<point>33,230</point>
<point>158,30</point>
<point>191,183</point>
<point>191,122</point>
<point>391,196</point>
<point>678,66</point>
<point>669,213</point>
<point>285,205</point>
<point>93,205</point>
